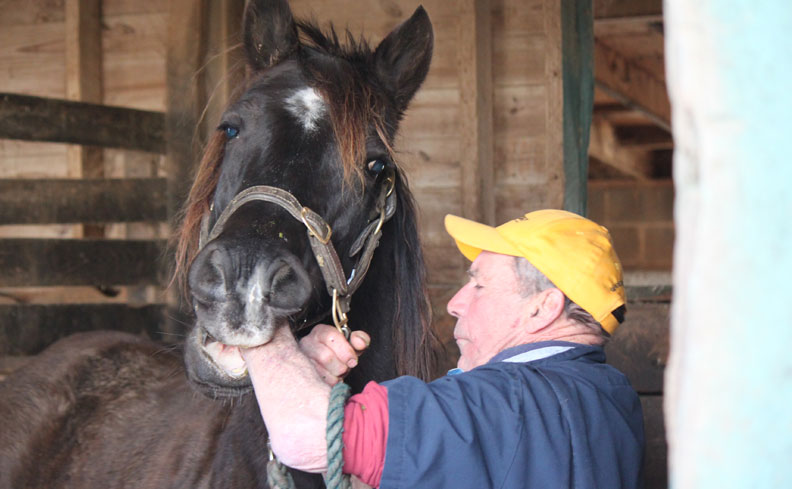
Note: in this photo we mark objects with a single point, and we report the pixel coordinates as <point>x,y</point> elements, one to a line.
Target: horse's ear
<point>402,59</point>
<point>270,34</point>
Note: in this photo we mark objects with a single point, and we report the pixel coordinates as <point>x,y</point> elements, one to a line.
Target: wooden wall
<point>62,49</point>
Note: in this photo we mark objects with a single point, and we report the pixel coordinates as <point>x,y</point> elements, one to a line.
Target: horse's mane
<point>418,346</point>
<point>353,108</point>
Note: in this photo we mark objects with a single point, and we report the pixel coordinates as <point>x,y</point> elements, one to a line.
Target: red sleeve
<point>366,433</point>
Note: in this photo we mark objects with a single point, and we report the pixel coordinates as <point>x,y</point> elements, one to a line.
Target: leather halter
<point>319,232</point>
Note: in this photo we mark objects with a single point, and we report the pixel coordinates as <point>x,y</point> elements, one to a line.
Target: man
<point>532,403</point>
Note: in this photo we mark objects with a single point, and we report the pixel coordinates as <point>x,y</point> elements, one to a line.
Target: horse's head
<point>316,120</point>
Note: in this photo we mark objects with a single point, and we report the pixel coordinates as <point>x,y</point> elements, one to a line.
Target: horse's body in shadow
<point>317,119</point>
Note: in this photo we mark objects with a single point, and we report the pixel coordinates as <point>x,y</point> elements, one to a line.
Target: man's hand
<point>330,353</point>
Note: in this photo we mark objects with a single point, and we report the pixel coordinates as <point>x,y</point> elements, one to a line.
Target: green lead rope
<point>278,476</point>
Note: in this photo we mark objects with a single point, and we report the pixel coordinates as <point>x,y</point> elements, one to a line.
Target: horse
<point>301,165</point>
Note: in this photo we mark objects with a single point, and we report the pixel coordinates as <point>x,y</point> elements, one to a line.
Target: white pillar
<point>729,382</point>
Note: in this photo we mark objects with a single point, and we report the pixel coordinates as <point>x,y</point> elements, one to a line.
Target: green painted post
<point>729,382</point>
<point>577,47</point>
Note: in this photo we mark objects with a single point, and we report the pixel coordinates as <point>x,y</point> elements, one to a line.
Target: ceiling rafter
<point>632,85</point>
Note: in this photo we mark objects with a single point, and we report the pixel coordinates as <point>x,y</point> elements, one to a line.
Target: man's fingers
<point>330,360</point>
<point>359,340</point>
<point>334,339</point>
<point>326,376</point>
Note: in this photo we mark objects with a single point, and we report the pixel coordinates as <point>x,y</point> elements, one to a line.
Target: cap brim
<point>472,237</point>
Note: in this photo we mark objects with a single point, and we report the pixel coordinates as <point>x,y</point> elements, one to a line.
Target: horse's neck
<point>373,310</point>
<point>241,452</point>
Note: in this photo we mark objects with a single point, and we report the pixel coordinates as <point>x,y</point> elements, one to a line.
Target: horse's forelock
<point>354,105</point>
<point>198,204</point>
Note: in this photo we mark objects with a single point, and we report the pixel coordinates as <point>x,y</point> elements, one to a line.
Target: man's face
<point>489,310</point>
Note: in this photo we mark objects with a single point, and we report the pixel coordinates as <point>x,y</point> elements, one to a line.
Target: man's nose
<point>458,304</point>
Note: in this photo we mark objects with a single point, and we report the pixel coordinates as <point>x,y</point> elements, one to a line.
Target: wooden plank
<point>83,66</point>
<point>649,293</point>
<point>26,330</point>
<point>474,61</point>
<point>605,146</point>
<point>631,84</point>
<point>225,61</point>
<point>186,41</point>
<point>86,201</point>
<point>28,262</point>
<point>84,83</point>
<point>644,136</point>
<point>135,43</point>
<point>628,10</point>
<point>32,58</point>
<point>656,453</point>
<point>553,113</point>
<point>62,121</point>
<point>80,295</point>
<point>639,347</point>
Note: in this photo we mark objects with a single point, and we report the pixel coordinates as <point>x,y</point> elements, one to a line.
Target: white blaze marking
<point>255,293</point>
<point>307,106</point>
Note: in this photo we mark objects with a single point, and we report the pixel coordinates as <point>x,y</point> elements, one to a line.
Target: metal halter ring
<point>391,182</point>
<point>381,220</point>
<point>324,240</point>
<point>339,317</point>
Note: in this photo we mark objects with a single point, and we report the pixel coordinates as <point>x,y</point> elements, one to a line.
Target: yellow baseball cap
<point>576,254</point>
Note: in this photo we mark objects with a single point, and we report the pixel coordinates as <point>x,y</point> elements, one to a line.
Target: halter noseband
<point>319,231</point>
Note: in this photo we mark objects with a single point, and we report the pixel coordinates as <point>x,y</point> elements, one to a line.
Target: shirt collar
<point>530,352</point>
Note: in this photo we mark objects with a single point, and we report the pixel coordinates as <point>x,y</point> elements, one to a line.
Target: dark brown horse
<point>315,121</point>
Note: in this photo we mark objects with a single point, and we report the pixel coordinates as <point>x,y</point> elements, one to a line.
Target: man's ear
<point>545,308</point>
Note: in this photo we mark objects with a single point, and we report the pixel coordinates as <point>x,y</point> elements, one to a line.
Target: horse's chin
<point>215,368</point>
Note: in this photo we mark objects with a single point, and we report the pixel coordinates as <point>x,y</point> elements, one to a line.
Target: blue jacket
<point>546,415</point>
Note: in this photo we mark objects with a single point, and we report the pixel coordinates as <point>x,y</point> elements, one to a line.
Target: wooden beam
<point>27,330</point>
<point>82,201</point>
<point>84,75</point>
<point>185,52</point>
<point>631,85</point>
<point>225,68</point>
<point>578,77</point>
<point>474,62</point>
<point>48,262</point>
<point>604,146</point>
<point>647,137</point>
<point>628,10</point>
<point>61,121</point>
<point>84,83</point>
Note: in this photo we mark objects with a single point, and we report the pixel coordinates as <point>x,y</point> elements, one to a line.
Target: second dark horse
<point>317,119</point>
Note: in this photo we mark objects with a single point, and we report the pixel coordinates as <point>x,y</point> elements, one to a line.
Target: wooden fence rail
<point>55,262</point>
<point>28,329</point>
<point>82,201</point>
<point>61,121</point>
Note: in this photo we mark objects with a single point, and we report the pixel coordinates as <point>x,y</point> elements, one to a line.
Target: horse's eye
<point>376,166</point>
<point>230,131</point>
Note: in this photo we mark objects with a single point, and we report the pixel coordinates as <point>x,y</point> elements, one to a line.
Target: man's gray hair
<point>532,281</point>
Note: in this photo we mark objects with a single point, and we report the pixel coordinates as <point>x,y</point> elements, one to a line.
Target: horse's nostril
<point>289,285</point>
<point>208,275</point>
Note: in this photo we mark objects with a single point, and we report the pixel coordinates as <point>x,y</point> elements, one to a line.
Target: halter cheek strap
<point>319,232</point>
